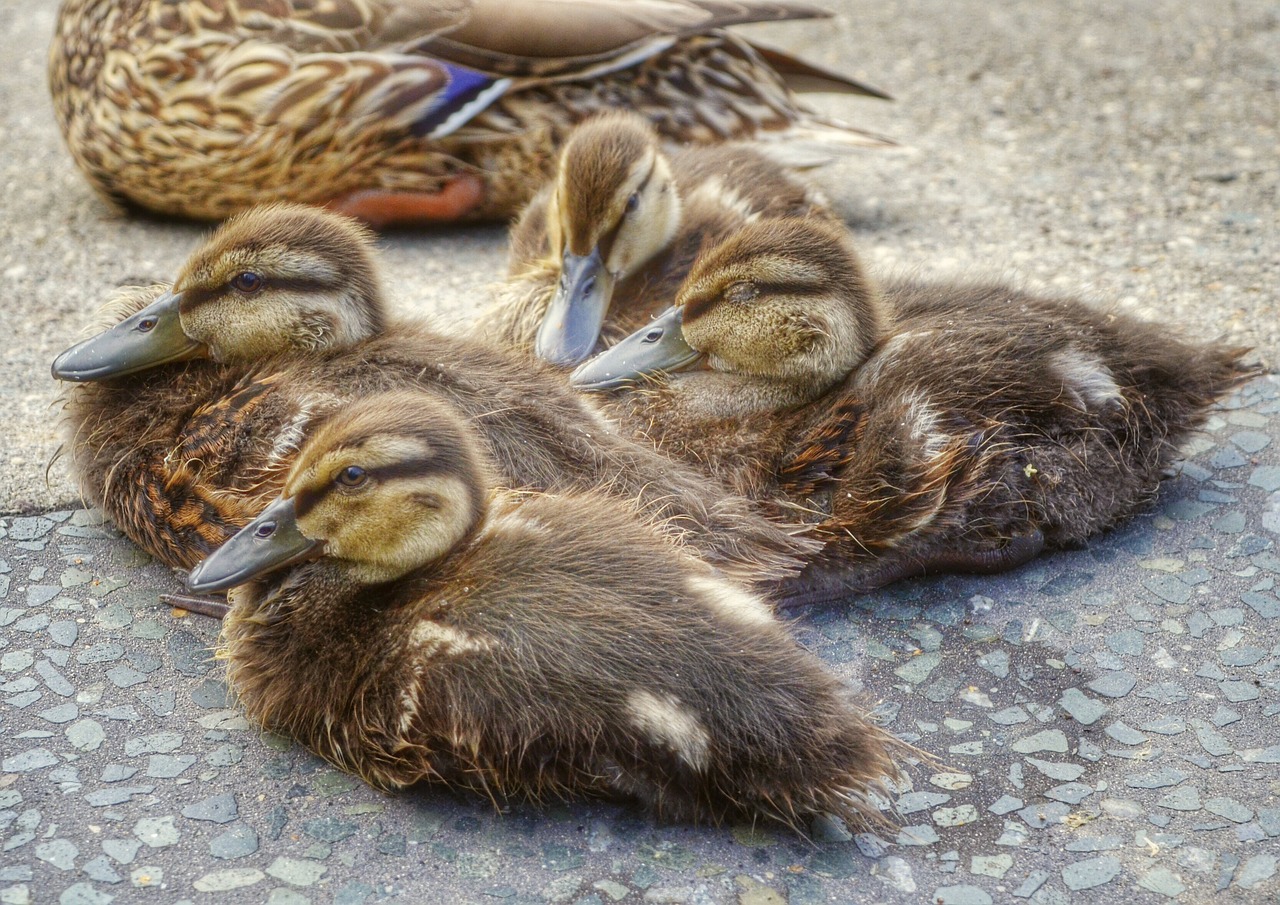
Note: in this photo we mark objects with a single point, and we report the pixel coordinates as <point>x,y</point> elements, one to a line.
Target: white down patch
<point>434,639</point>
<point>1086,378</point>
<point>671,725</point>
<point>715,191</point>
<point>729,600</point>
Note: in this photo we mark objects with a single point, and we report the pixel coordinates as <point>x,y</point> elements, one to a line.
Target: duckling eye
<point>352,476</point>
<point>247,282</point>
<point>743,291</point>
<point>633,202</point>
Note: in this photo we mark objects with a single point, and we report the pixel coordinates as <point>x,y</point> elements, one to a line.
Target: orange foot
<point>380,208</point>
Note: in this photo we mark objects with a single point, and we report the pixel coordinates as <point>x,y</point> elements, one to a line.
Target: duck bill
<point>573,320</point>
<point>151,337</point>
<point>269,542</point>
<point>657,346</point>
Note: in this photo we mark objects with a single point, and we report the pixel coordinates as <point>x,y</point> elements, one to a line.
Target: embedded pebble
<point>1090,873</point>
<point>238,841</point>
<point>116,795</point>
<point>61,713</point>
<point>299,873</point>
<point>957,816</point>
<point>218,809</point>
<point>1113,684</point>
<point>86,735</point>
<point>1072,793</point>
<point>1049,740</point>
<point>1155,779</point>
<point>35,759</point>
<point>1062,772</point>
<point>156,832</point>
<point>1186,798</point>
<point>83,894</point>
<point>227,880</point>
<point>960,895</point>
<point>1256,871</point>
<point>1005,804</point>
<point>917,669</point>
<point>1229,809</point>
<point>1163,881</point>
<point>61,853</point>
<point>155,743</point>
<point>1083,709</point>
<point>167,766</point>
<point>1010,716</point>
<point>100,870</point>
<point>1125,735</point>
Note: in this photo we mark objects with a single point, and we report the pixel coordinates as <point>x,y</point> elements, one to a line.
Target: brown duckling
<point>196,402</point>
<point>520,644</point>
<point>922,427</point>
<point>608,241</point>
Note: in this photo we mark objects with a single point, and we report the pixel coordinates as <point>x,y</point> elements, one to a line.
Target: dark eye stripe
<point>194,298</point>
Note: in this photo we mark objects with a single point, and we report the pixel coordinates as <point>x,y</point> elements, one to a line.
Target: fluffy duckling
<point>403,111</point>
<point>608,241</point>
<point>521,645</point>
<point>194,405</point>
<point>923,427</point>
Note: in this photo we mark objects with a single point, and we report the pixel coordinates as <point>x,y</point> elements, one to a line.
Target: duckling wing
<point>822,452</point>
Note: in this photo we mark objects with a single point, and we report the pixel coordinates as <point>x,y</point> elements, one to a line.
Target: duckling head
<point>276,278</point>
<point>614,207</point>
<point>382,487</point>
<point>782,301</point>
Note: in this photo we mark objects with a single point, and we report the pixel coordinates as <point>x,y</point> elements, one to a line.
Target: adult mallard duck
<point>190,408</point>
<point>401,110</point>
<point>608,241</point>
<point>922,427</point>
<point>521,645</point>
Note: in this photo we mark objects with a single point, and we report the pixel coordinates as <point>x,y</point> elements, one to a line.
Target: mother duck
<point>401,111</point>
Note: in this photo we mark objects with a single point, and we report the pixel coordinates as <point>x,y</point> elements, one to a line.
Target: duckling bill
<point>412,621</point>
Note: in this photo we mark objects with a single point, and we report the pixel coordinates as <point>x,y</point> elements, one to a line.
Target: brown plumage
<point>402,110</point>
<point>918,427</point>
<point>646,210</point>
<point>181,454</point>
<point>522,645</point>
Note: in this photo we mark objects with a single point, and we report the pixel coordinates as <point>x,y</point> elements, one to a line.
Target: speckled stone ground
<point>1107,723</point>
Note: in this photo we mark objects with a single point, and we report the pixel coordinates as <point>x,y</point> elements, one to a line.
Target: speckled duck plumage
<point>401,110</point>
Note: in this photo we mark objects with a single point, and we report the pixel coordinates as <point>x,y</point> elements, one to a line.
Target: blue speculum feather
<point>466,94</point>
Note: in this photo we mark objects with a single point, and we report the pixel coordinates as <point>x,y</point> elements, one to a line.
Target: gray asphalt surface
<point>1109,718</point>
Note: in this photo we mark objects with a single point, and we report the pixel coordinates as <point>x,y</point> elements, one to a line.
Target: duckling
<point>605,245</point>
<point>194,404</point>
<point>442,628</point>
<point>403,111</point>
<point>923,427</point>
